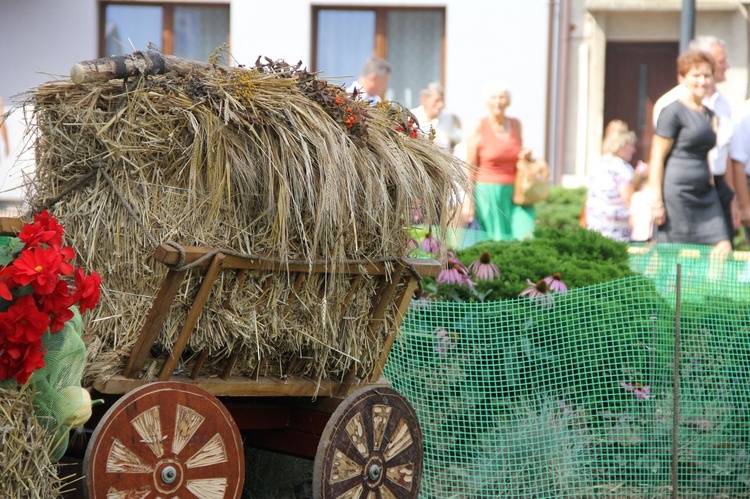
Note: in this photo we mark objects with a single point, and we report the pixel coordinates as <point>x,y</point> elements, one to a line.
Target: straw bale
<point>260,161</point>
<point>26,447</point>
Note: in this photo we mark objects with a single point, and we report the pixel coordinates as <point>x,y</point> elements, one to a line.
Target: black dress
<point>694,212</point>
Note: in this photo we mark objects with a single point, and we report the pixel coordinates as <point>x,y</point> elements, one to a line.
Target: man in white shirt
<point>373,80</point>
<point>718,158</point>
<point>431,114</point>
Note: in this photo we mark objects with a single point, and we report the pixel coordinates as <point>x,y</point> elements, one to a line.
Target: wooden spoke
<point>165,439</point>
<point>371,448</point>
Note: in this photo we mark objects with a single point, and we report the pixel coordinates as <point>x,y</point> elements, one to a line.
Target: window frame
<point>167,29</point>
<point>381,30</point>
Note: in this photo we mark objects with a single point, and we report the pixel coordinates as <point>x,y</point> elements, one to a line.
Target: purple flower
<point>642,392</point>
<point>431,244</point>
<point>454,272</point>
<point>421,303</point>
<point>539,292</point>
<point>483,269</point>
<point>412,244</point>
<point>445,341</point>
<point>555,283</point>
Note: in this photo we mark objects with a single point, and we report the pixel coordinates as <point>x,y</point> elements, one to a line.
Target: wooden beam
<point>192,319</point>
<point>139,63</point>
<point>171,256</point>
<point>402,305</point>
<point>10,226</point>
<point>234,386</point>
<point>151,328</point>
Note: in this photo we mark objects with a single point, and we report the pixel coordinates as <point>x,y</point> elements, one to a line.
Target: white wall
<point>486,40</point>
<point>41,39</point>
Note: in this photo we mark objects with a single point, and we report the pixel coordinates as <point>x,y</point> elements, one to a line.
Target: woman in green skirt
<point>494,147</point>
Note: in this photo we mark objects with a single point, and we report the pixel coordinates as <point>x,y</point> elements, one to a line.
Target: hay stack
<point>26,447</point>
<point>261,161</point>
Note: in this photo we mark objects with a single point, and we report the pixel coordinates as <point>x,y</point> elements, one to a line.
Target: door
<point>636,75</point>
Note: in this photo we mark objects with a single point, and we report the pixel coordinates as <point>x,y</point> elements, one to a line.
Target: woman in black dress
<point>686,204</point>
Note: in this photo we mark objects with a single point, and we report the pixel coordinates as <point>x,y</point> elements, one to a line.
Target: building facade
<point>571,65</point>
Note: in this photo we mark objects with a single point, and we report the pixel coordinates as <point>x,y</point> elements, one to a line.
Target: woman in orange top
<point>494,147</point>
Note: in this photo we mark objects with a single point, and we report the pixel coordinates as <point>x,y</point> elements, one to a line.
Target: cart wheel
<point>165,439</point>
<point>370,448</point>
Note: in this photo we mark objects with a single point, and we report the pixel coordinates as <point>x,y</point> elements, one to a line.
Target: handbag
<point>532,182</point>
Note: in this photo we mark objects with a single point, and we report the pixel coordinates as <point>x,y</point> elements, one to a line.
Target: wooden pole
<point>676,387</point>
<point>137,63</point>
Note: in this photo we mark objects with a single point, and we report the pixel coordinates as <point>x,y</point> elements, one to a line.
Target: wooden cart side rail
<point>399,271</point>
<point>171,256</point>
<point>240,386</point>
<point>10,226</point>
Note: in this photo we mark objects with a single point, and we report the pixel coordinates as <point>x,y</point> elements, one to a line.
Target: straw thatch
<point>26,447</point>
<point>265,161</point>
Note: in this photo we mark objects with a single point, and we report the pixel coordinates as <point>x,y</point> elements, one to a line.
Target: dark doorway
<point>636,75</point>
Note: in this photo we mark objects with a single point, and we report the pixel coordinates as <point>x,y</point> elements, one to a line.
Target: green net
<point>57,385</point>
<point>576,397</point>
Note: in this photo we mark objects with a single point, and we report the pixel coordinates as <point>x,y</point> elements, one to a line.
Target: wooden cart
<point>184,435</point>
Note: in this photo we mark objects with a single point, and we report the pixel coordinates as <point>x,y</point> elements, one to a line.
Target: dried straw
<point>26,469</point>
<point>258,161</point>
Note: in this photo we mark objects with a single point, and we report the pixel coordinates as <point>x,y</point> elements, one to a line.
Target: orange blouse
<point>497,155</point>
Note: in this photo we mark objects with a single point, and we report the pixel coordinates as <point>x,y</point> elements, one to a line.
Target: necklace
<point>501,127</point>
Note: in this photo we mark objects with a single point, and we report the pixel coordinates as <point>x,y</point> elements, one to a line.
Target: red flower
<point>57,306</point>
<point>41,264</point>
<point>67,254</point>
<point>7,283</point>
<point>23,322</point>
<point>87,290</point>
<point>49,223</point>
<point>338,100</point>
<point>33,234</point>
<point>39,267</point>
<point>20,360</point>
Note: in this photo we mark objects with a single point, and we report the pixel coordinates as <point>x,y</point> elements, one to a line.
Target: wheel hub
<point>168,476</point>
<point>374,470</point>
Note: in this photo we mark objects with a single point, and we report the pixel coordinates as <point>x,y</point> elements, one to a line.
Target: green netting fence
<point>576,397</point>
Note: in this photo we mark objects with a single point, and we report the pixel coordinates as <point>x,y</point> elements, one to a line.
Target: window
<point>412,39</point>
<point>192,31</point>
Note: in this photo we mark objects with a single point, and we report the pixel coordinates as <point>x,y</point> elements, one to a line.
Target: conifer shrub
<point>562,209</point>
<point>581,256</point>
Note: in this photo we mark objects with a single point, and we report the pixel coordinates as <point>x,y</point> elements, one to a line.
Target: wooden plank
<point>199,364</point>
<point>171,256</point>
<point>348,381</point>
<point>234,386</point>
<point>377,316</point>
<point>240,386</point>
<point>151,328</point>
<point>195,311</point>
<point>402,305</point>
<point>353,286</point>
<point>125,66</point>
<point>10,226</point>
<point>377,313</point>
<point>241,276</point>
<point>231,362</point>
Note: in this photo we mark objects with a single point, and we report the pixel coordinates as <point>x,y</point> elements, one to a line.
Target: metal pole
<point>676,386</point>
<point>687,24</point>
